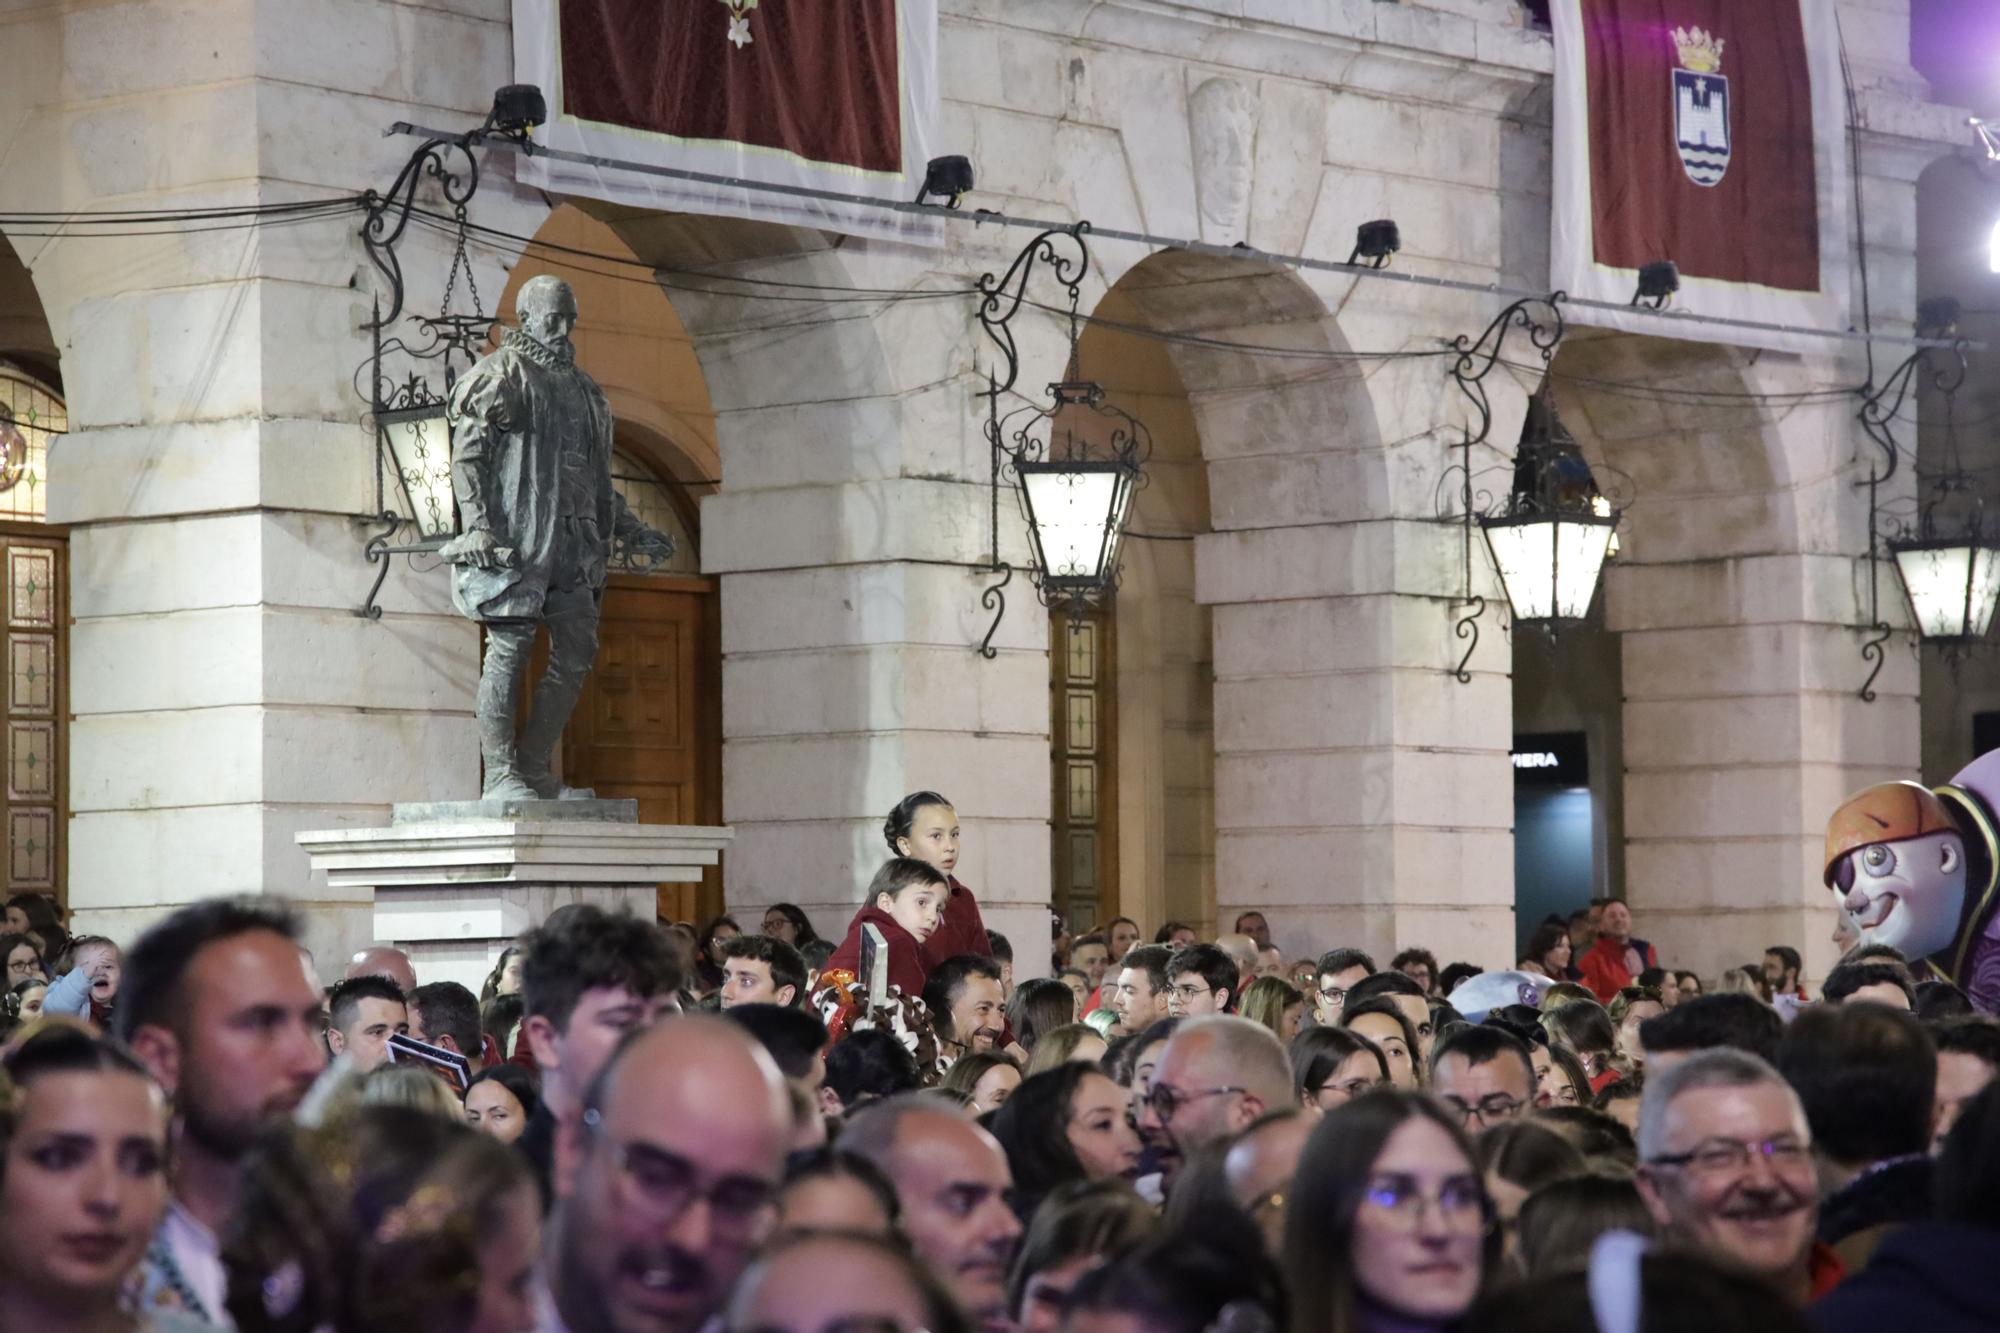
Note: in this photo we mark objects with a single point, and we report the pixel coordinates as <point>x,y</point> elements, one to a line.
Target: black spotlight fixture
<point>1657,284</point>
<point>517,109</point>
<point>1938,317</point>
<point>946,178</point>
<point>1374,242</point>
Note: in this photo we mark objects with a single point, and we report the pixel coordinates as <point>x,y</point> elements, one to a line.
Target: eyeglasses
<point>1401,1202</point>
<point>1167,1100</point>
<point>1487,1110</point>
<point>1720,1157</point>
<point>1333,994</point>
<point>1186,994</point>
<point>665,1184</point>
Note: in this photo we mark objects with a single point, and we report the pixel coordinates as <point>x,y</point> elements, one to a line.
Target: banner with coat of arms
<point>1711,133</point>
<point>806,93</point>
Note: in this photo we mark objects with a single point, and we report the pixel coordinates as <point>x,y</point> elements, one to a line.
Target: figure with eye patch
<point>1897,862</point>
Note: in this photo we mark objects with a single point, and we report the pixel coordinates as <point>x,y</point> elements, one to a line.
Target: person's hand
<point>478,548</point>
<point>1016,1052</point>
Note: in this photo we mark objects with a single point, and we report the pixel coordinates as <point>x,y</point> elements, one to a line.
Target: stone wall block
<point>859,604</point>
<point>1306,789</point>
<point>169,140</point>
<point>1297,490</point>
<point>880,688</point>
<point>784,447</point>
<point>869,522</point>
<point>1756,659</point>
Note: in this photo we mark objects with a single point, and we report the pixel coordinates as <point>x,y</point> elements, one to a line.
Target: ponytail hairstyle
<point>900,820</point>
<point>372,1221</point>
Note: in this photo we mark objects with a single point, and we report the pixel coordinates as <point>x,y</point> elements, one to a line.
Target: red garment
<point>1599,1082</point>
<point>1604,969</point>
<point>1824,1270</point>
<point>959,930</point>
<point>907,969</point>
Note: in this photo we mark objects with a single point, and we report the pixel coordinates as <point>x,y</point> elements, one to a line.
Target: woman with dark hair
<point>1066,1125</point>
<point>708,952</point>
<point>1520,1157</point>
<point>924,825</point>
<point>1548,951</point>
<point>23,960</point>
<point>1689,985</point>
<point>505,978</point>
<point>500,1022</point>
<point>830,1190</point>
<point>33,914</point>
<point>1584,1029</point>
<point>1180,1284</point>
<point>1382,1021</point>
<point>83,1183</point>
<point>1079,1227</point>
<point>1333,1066</point>
<point>1675,1290</point>
<point>1039,1007</point>
<point>500,1101</point>
<point>1389,1226</point>
<point>387,1218</point>
<point>23,1001</point>
<point>783,921</point>
<point>987,1077</point>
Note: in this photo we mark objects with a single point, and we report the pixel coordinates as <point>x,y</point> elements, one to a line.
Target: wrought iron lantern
<point>1075,464</point>
<point>1552,539</point>
<point>1076,490</point>
<point>417,433</point>
<point>1952,584</point>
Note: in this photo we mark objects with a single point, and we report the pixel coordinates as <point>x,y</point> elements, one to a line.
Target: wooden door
<point>1083,712</point>
<point>649,724</point>
<point>34,805</point>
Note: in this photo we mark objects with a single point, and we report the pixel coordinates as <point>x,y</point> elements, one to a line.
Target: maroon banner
<point>1701,134</point>
<point>819,79</point>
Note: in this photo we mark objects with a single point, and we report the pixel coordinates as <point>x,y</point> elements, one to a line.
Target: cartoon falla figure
<point>1897,861</point>
<point>1973,801</point>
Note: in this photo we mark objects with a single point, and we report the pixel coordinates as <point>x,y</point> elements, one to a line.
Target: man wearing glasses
<point>1218,1075</point>
<point>1725,1166</point>
<point>664,1180</point>
<point>1202,979</point>
<point>1338,972</point>
<point>1484,1076</point>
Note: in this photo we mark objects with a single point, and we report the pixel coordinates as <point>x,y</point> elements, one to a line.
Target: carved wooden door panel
<point>34,803</point>
<point>649,724</point>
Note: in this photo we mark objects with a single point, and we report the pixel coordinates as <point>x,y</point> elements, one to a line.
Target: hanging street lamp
<point>1074,463</point>
<point>1952,584</point>
<point>416,432</point>
<point>1551,540</point>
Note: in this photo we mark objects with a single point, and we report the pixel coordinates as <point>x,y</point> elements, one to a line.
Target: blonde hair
<point>1265,1001</point>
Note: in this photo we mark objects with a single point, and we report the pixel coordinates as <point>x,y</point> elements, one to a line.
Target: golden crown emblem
<point>1699,51</point>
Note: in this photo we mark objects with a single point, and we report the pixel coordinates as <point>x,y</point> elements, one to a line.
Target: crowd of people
<point>649,1127</point>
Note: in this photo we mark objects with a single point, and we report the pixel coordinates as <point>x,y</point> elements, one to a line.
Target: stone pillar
<point>225,694</point>
<point>854,505</point>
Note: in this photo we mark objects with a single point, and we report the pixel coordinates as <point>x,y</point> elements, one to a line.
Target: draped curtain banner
<point>1711,133</point>
<point>837,95</point>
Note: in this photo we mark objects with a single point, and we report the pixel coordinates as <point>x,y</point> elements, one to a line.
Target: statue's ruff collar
<point>515,340</point>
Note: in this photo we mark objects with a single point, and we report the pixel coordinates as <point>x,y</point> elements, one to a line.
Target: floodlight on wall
<point>517,109</point>
<point>1657,284</point>
<point>1074,464</point>
<point>946,178</point>
<point>1375,242</point>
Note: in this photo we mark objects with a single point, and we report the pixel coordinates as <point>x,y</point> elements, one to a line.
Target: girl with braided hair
<point>386,1217</point>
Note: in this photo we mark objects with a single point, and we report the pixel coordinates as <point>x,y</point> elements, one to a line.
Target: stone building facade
<point>1290,732</point>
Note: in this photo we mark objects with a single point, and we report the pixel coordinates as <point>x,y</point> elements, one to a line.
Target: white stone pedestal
<point>455,882</point>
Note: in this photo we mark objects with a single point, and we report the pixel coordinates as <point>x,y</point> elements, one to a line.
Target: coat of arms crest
<point>1701,106</point>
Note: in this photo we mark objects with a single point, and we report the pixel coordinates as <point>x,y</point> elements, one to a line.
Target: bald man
<point>951,1179</point>
<point>382,960</point>
<point>664,1183</point>
<point>1215,1078</point>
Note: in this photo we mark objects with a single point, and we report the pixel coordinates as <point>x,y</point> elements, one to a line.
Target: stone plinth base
<point>454,882</point>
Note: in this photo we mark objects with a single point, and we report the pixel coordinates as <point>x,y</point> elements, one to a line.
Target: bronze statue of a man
<point>531,466</point>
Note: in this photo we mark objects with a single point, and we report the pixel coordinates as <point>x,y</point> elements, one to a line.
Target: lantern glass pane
<point>1549,566</point>
<point>421,446</point>
<point>1952,589</point>
<point>1580,552</point>
<point>1072,513</point>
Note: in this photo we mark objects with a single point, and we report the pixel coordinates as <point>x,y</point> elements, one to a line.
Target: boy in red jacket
<point>903,903</point>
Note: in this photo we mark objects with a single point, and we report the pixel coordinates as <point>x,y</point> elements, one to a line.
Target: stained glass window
<point>31,419</point>
<point>651,501</point>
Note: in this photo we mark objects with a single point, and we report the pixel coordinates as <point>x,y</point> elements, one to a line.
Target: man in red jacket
<point>1616,960</point>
